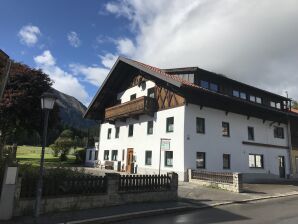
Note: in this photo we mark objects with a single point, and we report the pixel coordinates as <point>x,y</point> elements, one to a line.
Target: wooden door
<point>129,160</point>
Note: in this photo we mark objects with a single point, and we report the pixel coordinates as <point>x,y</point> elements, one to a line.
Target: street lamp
<point>47,104</point>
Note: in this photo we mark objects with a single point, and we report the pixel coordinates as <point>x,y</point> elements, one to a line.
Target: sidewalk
<point>191,196</point>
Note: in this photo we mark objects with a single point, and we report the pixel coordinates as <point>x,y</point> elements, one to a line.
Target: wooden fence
<point>84,185</point>
<point>212,176</point>
<point>143,183</point>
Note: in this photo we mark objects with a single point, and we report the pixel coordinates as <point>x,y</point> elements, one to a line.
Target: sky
<point>76,42</point>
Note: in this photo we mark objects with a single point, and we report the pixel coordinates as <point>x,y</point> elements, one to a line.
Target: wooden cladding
<point>167,99</point>
<point>141,105</point>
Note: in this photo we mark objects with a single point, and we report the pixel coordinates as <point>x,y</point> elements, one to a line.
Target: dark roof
<point>175,81</point>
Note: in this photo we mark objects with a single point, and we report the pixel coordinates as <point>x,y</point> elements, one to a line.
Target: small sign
<point>11,175</point>
<point>165,144</point>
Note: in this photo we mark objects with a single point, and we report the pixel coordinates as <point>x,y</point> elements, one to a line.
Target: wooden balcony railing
<point>141,105</point>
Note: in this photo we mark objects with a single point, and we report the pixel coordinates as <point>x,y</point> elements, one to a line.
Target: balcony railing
<point>141,105</point>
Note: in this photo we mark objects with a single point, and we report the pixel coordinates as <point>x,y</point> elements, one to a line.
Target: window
<point>272,103</point>
<point>96,155</point>
<point>256,161</point>
<point>278,132</point>
<point>130,130</point>
<point>236,93</point>
<point>117,132</point>
<point>200,161</point>
<point>200,123</point>
<point>123,154</point>
<point>169,158</point>
<point>109,133</point>
<point>259,100</point>
<point>133,96</point>
<point>150,127</point>
<point>225,129</point>
<point>251,134</point>
<point>106,155</point>
<point>213,87</point>
<point>90,155</point>
<point>170,124</point>
<point>278,105</point>
<point>114,155</point>
<point>205,84</point>
<point>226,159</point>
<point>151,93</point>
<point>243,95</point>
<point>252,98</point>
<point>148,157</point>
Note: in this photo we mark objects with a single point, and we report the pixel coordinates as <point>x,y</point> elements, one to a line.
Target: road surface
<point>282,210</point>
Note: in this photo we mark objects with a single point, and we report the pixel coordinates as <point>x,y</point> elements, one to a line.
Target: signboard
<point>165,144</point>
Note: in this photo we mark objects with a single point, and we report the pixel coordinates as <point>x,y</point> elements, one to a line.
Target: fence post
<point>8,192</point>
<point>174,181</point>
<point>237,182</point>
<point>113,180</point>
<point>189,175</point>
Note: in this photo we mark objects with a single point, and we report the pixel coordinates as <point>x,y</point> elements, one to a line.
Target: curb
<point>131,215</point>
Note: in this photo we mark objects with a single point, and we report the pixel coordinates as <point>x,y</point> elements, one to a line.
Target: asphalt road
<point>282,210</point>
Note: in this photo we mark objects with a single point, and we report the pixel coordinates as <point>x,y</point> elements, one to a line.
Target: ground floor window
<point>90,155</point>
<point>106,155</point>
<point>226,161</point>
<point>201,160</point>
<point>114,155</point>
<point>96,155</point>
<point>148,157</point>
<point>169,158</point>
<point>256,161</point>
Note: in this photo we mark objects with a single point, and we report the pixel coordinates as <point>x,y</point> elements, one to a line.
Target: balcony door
<point>129,160</point>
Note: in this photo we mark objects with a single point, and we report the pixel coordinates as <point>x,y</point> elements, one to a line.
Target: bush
<point>55,150</point>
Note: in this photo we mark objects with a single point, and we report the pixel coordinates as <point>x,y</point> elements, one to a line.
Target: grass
<point>31,155</point>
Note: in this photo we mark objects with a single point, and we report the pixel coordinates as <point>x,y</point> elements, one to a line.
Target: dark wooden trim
<point>264,145</point>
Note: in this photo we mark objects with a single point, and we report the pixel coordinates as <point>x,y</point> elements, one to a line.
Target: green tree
<point>295,104</point>
<point>63,144</point>
<point>20,106</point>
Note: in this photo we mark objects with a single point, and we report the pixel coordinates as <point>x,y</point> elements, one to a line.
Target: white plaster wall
<point>141,142</point>
<point>215,145</point>
<point>125,96</point>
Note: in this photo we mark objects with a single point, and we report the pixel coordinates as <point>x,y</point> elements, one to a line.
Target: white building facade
<point>193,136</point>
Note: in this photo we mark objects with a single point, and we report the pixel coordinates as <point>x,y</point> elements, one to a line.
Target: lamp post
<point>47,104</point>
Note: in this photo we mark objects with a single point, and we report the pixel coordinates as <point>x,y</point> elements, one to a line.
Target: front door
<point>282,170</point>
<point>129,160</point>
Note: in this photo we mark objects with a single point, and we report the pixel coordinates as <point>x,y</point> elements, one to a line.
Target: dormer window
<point>209,85</point>
<point>205,84</point>
<point>255,99</point>
<point>133,96</point>
<point>275,104</point>
<point>237,93</point>
<point>213,87</point>
<point>252,98</point>
<point>243,95</point>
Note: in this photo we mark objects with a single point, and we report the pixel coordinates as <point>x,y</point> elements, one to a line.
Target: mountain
<point>71,111</point>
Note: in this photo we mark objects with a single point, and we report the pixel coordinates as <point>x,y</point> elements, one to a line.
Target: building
<point>160,120</point>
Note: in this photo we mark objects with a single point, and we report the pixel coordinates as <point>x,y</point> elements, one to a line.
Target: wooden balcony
<point>133,108</point>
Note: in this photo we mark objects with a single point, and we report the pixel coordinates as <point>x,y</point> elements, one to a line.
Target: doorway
<point>282,169</point>
<point>129,160</point>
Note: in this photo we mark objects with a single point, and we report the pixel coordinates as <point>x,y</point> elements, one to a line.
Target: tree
<point>295,104</point>
<point>63,144</point>
<point>20,106</point>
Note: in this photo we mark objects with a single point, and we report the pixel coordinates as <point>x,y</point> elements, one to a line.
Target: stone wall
<point>112,197</point>
<point>234,186</point>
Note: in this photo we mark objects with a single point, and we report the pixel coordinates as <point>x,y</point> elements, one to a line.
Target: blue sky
<point>76,42</point>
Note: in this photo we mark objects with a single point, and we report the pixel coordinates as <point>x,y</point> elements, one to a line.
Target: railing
<point>83,185</point>
<point>143,183</point>
<point>141,105</point>
<point>212,176</point>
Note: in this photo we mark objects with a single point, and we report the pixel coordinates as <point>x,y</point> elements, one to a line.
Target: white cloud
<point>73,39</point>
<point>108,60</point>
<point>29,34</point>
<point>94,75</point>
<point>63,81</point>
<point>252,41</point>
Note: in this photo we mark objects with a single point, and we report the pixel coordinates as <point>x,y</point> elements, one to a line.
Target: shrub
<point>80,156</point>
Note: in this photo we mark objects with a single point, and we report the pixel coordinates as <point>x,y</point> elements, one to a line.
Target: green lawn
<point>31,155</point>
